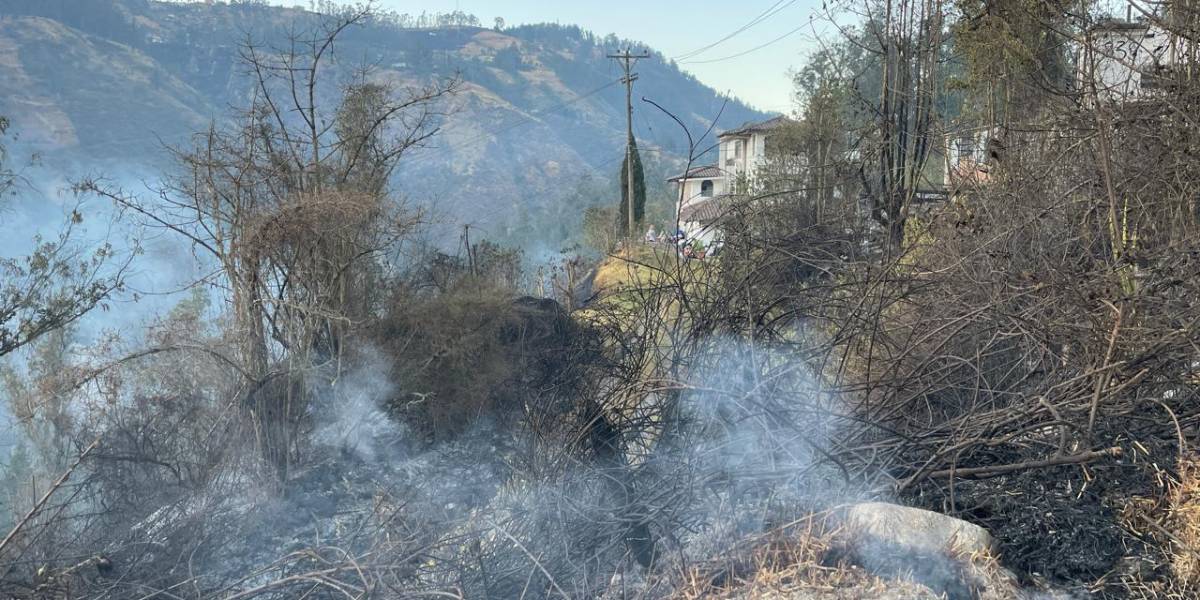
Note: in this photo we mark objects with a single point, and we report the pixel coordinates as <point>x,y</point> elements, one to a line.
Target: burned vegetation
<point>868,389</point>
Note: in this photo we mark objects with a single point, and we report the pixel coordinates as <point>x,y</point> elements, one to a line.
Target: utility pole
<point>627,61</point>
<point>470,251</point>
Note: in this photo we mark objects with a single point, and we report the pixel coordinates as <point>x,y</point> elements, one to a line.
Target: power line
<point>741,54</point>
<point>767,14</point>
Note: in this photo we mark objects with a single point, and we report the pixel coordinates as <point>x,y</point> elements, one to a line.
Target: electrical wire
<point>744,53</point>
<point>767,14</point>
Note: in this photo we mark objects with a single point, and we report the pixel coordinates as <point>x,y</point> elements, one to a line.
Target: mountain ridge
<point>537,128</point>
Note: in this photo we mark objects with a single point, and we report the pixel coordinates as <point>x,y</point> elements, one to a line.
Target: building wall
<point>754,153</point>
<point>707,235</point>
<point>692,189</point>
<point>1117,56</point>
<point>966,158</point>
<point>759,144</point>
<point>728,159</point>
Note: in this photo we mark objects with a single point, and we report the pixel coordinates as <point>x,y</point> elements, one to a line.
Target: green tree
<point>1013,54</point>
<point>599,232</point>
<point>807,158</point>
<point>56,284</point>
<point>40,398</point>
<point>639,191</point>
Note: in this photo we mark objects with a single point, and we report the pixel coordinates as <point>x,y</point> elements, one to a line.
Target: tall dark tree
<point>639,192</point>
<point>908,43</point>
<point>1013,54</point>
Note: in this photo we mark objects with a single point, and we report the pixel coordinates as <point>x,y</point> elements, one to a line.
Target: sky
<point>676,28</point>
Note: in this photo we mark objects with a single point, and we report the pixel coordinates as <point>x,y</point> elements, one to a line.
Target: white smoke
<point>352,418</point>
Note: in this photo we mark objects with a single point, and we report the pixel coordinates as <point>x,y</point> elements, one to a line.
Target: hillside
<point>861,390</point>
<point>536,130</point>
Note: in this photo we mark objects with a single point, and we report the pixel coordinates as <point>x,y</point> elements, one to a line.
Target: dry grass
<point>792,562</point>
<point>1185,522</point>
<point>806,560</point>
<point>1169,521</point>
<point>632,267</point>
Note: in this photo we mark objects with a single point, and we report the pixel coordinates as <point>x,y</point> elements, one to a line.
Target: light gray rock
<point>951,557</point>
<point>919,531</point>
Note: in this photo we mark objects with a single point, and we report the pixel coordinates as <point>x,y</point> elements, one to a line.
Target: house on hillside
<point>1125,61</point>
<point>705,191</point>
<point>970,156</point>
<point>1119,63</point>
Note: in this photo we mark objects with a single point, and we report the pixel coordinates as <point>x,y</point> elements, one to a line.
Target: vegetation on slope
<point>535,134</point>
<point>354,415</point>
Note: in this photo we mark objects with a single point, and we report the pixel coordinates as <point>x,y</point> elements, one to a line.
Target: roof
<point>759,127</point>
<point>705,211</point>
<point>705,172</point>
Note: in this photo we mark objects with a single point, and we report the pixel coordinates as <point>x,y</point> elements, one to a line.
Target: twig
<point>1102,380</point>
<point>533,558</point>
<point>46,497</point>
<point>994,470</point>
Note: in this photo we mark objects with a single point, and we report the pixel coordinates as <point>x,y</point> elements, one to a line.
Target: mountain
<point>535,135</point>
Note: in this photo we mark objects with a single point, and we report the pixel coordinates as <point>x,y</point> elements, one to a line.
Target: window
<point>734,154</point>
<point>706,188</point>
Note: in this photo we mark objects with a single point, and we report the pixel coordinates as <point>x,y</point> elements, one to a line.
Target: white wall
<point>696,231</point>
<point>1115,58</point>
<point>691,195</point>
<point>759,154</point>
<point>692,187</point>
<point>728,159</point>
<point>754,153</point>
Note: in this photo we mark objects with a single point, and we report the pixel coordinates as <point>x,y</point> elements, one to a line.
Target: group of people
<point>653,237</point>
<point>693,248</point>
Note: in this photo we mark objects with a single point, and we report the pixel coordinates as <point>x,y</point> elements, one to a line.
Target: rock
<point>920,531</point>
<point>951,557</point>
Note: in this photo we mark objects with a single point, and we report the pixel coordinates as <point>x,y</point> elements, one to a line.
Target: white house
<point>1127,60</point>
<point>705,191</point>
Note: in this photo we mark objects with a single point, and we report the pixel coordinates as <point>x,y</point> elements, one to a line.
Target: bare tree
<point>293,205</point>
<point>907,39</point>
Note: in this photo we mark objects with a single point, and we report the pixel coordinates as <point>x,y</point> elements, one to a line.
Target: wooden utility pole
<point>470,251</point>
<point>627,60</point>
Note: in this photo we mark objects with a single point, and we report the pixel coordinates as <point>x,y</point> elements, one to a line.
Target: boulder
<point>951,557</point>
<point>919,531</point>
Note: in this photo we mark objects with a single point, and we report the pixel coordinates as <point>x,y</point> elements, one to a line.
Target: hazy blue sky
<point>676,27</point>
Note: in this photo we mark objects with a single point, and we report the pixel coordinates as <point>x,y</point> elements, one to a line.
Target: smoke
<point>352,418</point>
<point>741,458</point>
<point>743,451</point>
<point>744,456</point>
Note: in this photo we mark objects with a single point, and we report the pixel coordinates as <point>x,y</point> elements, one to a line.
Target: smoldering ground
<point>740,449</point>
<point>743,456</point>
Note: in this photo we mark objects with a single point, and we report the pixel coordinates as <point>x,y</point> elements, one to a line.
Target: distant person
<point>651,235</point>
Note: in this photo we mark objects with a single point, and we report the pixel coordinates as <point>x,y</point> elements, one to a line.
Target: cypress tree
<point>639,192</point>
